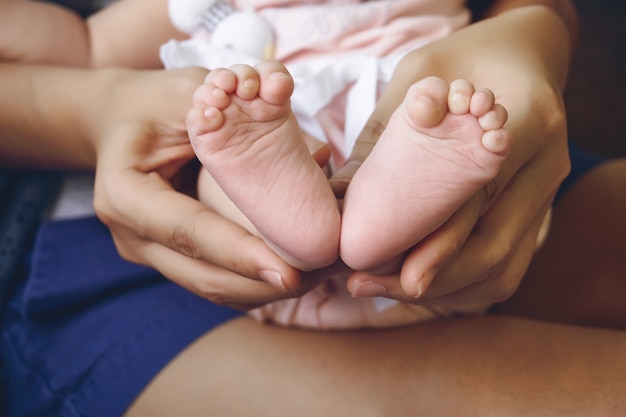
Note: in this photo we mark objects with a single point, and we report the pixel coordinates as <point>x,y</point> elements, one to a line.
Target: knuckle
<point>367,139</point>
<point>103,209</point>
<point>181,240</point>
<point>496,258</point>
<point>211,293</point>
<point>489,192</point>
<point>503,283</point>
<point>453,245</point>
<point>561,166</point>
<point>188,83</point>
<point>552,112</point>
<point>127,249</point>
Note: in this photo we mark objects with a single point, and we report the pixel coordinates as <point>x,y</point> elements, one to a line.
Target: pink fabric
<point>306,29</point>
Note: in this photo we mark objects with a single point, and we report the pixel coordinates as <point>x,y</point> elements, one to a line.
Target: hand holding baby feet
<point>248,139</point>
<point>441,145</point>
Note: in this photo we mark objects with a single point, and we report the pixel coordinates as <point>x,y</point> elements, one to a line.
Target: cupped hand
<point>143,159</point>
<point>481,253</point>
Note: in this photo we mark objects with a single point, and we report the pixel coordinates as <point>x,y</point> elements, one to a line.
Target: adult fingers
<point>226,287</point>
<point>501,287</point>
<point>146,205</point>
<point>422,263</point>
<point>468,248</point>
<point>497,234</point>
<point>436,266</point>
<point>476,292</point>
<point>219,285</point>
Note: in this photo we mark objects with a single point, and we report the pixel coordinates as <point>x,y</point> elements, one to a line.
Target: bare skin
<point>482,252</point>
<point>586,240</point>
<point>444,142</point>
<point>490,365</point>
<point>447,139</point>
<point>246,136</point>
<point>109,37</point>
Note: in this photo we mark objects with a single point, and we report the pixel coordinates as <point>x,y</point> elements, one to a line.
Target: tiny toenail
<point>458,97</point>
<point>426,99</point>
<point>210,112</point>
<point>277,75</point>
<point>249,83</point>
<point>483,94</point>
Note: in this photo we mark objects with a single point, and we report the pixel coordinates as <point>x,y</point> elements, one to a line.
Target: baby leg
<point>246,136</point>
<point>441,145</point>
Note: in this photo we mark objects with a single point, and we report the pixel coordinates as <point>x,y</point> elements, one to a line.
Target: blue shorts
<point>86,331</point>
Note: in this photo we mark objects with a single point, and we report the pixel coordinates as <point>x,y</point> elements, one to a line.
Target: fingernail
<point>273,278</point>
<point>424,281</point>
<point>369,289</point>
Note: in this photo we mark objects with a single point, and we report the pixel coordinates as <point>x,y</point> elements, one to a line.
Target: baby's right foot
<point>246,136</point>
<point>442,145</point>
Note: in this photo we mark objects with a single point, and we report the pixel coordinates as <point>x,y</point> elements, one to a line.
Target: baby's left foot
<point>441,145</point>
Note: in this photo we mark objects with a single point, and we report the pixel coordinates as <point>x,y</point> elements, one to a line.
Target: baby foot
<point>246,136</point>
<point>441,145</point>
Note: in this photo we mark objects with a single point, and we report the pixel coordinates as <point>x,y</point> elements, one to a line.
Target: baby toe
<point>210,95</point>
<point>427,101</point>
<point>247,81</point>
<point>460,95</point>
<point>497,141</point>
<point>494,118</point>
<point>482,101</point>
<point>276,82</point>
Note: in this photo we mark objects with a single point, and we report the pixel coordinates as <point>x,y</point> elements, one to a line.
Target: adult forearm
<point>44,116</point>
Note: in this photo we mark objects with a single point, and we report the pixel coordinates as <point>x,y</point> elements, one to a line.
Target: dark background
<point>595,97</point>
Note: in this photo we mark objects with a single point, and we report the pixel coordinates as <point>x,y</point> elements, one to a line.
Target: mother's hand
<point>482,252</point>
<point>143,157</point>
